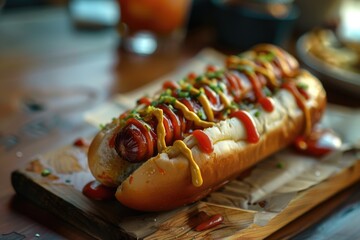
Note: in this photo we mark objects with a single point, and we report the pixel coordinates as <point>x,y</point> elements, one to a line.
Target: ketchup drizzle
<point>295,92</point>
<point>249,124</point>
<point>303,93</point>
<point>256,85</point>
<point>204,141</point>
<point>267,104</point>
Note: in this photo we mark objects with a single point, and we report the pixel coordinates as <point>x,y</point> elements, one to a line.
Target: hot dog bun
<point>165,182</point>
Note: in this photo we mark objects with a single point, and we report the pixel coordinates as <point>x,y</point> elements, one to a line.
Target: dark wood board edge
<point>27,188</point>
<point>308,223</point>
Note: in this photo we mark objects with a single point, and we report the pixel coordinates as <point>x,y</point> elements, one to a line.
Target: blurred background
<point>61,59</point>
<point>68,56</point>
<point>237,24</point>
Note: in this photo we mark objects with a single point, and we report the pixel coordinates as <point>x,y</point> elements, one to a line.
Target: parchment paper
<point>273,183</point>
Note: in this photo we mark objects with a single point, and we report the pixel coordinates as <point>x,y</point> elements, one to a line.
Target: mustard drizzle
<point>278,54</point>
<point>232,63</point>
<point>267,70</point>
<point>196,177</point>
<point>160,129</point>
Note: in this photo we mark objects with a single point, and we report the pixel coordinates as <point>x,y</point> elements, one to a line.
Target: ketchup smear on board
<point>319,143</point>
<point>213,221</point>
<point>97,191</point>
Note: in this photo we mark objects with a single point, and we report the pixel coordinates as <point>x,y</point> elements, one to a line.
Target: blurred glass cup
<point>2,4</point>
<point>150,25</point>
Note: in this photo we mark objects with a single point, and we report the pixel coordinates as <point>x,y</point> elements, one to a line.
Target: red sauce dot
<point>144,100</point>
<point>171,85</point>
<point>210,68</point>
<point>319,143</point>
<point>97,191</point>
<point>191,75</point>
<point>80,142</point>
<point>124,115</point>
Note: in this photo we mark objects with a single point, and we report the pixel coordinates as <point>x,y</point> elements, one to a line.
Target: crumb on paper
<point>35,166</point>
<point>65,163</point>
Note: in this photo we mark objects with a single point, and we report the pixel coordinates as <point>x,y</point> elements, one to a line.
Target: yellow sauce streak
<point>243,61</point>
<point>160,129</point>
<point>267,73</point>
<point>224,99</point>
<point>189,115</point>
<point>196,177</point>
<point>278,54</point>
<point>207,108</point>
<point>308,126</point>
<point>264,71</point>
<point>306,111</point>
<point>203,100</point>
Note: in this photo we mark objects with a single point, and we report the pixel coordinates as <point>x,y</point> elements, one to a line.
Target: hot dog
<point>198,133</point>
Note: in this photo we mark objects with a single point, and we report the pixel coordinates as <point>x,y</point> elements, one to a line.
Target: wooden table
<point>51,74</point>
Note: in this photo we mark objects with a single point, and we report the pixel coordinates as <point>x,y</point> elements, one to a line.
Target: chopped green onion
<point>183,94</point>
<point>280,165</point>
<point>155,103</point>
<point>267,92</point>
<point>302,85</point>
<point>199,79</point>
<point>267,57</point>
<point>201,115</point>
<point>169,99</point>
<point>216,74</point>
<point>46,172</point>
<point>245,68</point>
<point>147,126</point>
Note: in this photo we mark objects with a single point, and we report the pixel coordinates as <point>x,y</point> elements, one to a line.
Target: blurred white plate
<point>337,77</point>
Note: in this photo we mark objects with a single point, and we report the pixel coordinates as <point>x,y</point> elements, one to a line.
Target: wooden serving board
<point>60,193</point>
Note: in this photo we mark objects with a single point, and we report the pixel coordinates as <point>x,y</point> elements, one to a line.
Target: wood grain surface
<point>61,194</point>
